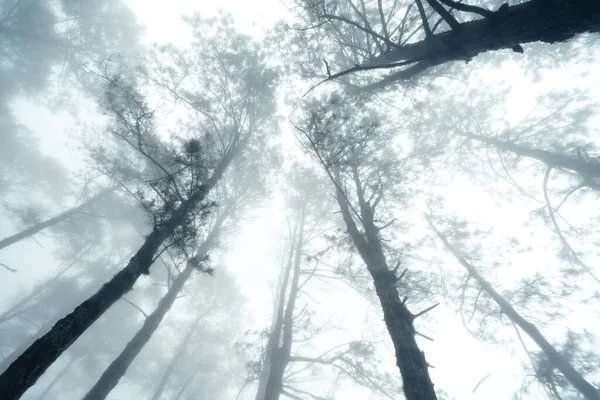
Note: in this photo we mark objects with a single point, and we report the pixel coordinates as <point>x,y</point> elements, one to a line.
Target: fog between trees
<point>307,199</point>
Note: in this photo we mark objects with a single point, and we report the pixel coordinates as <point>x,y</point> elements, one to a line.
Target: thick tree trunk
<point>53,221</point>
<point>23,346</point>
<point>175,360</point>
<point>583,167</point>
<point>118,367</point>
<point>556,359</point>
<point>549,21</point>
<point>25,371</point>
<point>410,359</point>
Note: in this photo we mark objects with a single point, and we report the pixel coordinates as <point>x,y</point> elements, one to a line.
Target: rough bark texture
<point>26,370</point>
<point>548,21</point>
<point>52,221</point>
<point>557,360</point>
<point>118,367</point>
<point>410,359</point>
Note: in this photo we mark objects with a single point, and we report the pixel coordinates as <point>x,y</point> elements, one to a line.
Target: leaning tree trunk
<point>53,221</point>
<point>280,356</point>
<point>26,370</point>
<point>118,367</point>
<point>585,168</point>
<point>410,359</point>
<point>175,360</point>
<point>556,359</point>
<point>549,21</point>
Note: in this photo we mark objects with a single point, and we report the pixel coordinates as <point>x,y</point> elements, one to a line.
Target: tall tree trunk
<point>555,358</point>
<point>118,367</point>
<point>23,346</point>
<point>26,370</point>
<point>58,376</point>
<point>410,359</point>
<point>187,383</point>
<point>584,168</point>
<point>54,220</point>
<point>175,360</point>
<point>280,355</point>
<point>277,325</point>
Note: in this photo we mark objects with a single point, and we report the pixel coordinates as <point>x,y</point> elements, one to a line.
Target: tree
<point>354,150</point>
<point>401,35</point>
<point>555,359</point>
<point>181,180</point>
<point>65,215</point>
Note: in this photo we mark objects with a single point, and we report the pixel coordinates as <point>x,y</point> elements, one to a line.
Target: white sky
<point>459,360</point>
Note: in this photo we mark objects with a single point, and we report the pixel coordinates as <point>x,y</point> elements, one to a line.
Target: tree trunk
<point>118,367</point>
<point>187,383</point>
<point>548,21</point>
<point>410,359</point>
<point>280,356</point>
<point>555,358</point>
<point>175,360</point>
<point>60,374</point>
<point>584,168</point>
<point>277,325</point>
<point>26,370</point>
<point>53,221</point>
<point>23,346</point>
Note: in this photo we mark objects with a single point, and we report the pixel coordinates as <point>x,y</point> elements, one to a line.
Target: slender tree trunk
<point>58,376</point>
<point>115,371</point>
<point>280,355</point>
<point>118,367</point>
<point>410,359</point>
<point>556,359</point>
<point>25,371</point>
<point>54,220</point>
<point>277,325</point>
<point>175,360</point>
<point>583,167</point>
<point>187,383</point>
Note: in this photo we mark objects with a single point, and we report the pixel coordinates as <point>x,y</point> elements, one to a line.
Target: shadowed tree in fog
<point>287,358</point>
<point>555,359</point>
<point>180,180</point>
<point>64,216</point>
<point>236,192</point>
<point>401,35</point>
<point>357,154</point>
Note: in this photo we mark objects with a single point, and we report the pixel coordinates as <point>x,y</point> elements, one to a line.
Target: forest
<point>299,199</point>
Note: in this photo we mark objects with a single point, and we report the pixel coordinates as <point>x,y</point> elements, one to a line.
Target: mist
<point>299,199</point>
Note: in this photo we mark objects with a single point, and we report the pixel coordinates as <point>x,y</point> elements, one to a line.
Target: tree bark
<point>548,21</point>
<point>53,221</point>
<point>26,370</point>
<point>556,359</point>
<point>410,360</point>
